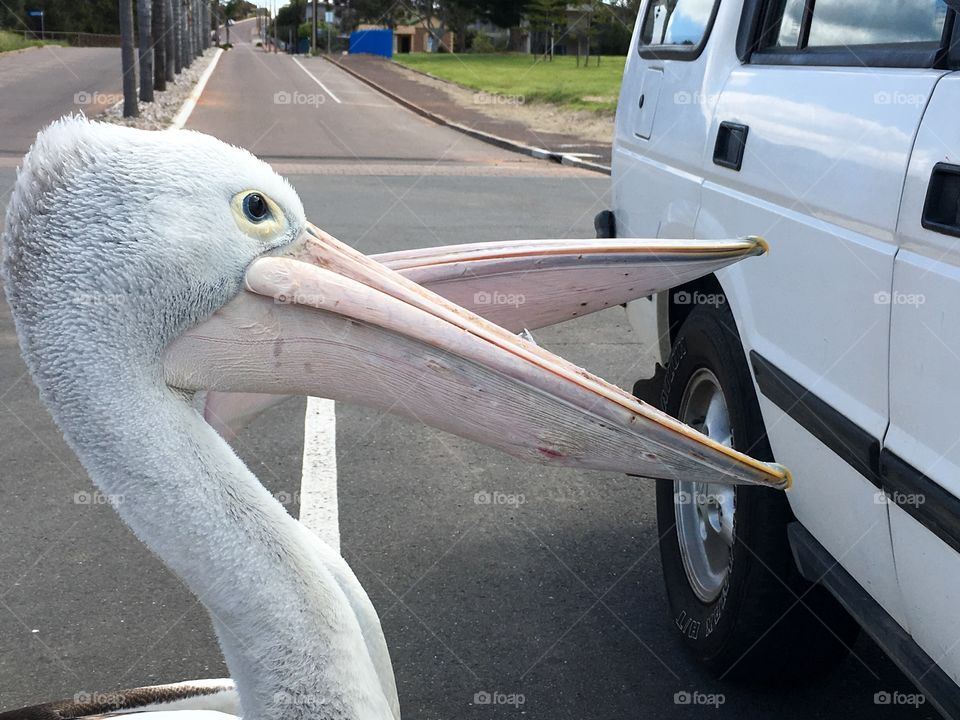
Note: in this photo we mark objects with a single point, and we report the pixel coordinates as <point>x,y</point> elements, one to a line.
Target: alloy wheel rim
<point>705,512</point>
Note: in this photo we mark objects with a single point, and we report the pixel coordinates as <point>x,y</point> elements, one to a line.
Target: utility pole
<point>187,33</point>
<point>206,23</point>
<point>159,46</point>
<point>146,50</point>
<point>127,60</point>
<point>198,28</point>
<point>170,39</point>
<point>313,37</point>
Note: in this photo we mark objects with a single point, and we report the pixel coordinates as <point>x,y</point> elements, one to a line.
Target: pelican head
<point>136,235</point>
<point>142,267</point>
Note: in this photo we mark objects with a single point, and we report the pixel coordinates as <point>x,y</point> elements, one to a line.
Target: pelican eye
<point>257,215</point>
<point>255,208</point>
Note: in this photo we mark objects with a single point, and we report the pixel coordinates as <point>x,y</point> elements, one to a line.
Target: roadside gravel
<point>160,113</point>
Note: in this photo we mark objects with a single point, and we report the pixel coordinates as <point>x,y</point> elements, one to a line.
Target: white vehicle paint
<point>856,301</point>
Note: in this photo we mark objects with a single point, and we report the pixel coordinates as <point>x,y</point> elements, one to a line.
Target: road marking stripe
<point>180,119</point>
<point>319,509</point>
<point>317,81</point>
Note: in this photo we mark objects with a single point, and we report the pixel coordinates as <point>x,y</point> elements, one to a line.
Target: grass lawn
<point>15,41</point>
<point>558,81</point>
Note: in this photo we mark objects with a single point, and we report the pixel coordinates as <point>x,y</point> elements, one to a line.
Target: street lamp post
<point>328,21</point>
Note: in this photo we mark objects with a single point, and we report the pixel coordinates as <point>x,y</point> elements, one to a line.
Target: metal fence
<point>75,39</point>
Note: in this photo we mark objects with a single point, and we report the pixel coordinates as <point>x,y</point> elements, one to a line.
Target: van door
<point>921,455</point>
<point>659,141</point>
<point>810,142</point>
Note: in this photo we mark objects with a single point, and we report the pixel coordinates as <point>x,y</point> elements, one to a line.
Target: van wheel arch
<point>677,312</point>
<point>766,616</point>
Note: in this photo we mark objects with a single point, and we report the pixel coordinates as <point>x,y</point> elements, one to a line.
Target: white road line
<point>180,119</point>
<point>327,90</point>
<point>319,510</point>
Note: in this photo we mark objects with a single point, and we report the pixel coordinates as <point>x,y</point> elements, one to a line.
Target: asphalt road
<point>558,598</point>
<point>39,85</point>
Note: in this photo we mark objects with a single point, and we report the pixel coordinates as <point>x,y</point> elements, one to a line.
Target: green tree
<point>93,16</point>
<point>503,13</point>
<point>291,13</point>
<point>11,14</point>
<point>547,16</point>
<point>239,9</point>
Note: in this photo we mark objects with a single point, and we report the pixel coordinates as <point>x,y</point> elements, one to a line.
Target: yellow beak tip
<point>785,472</point>
<point>760,243</point>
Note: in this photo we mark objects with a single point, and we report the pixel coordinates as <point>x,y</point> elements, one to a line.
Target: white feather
<point>116,240</point>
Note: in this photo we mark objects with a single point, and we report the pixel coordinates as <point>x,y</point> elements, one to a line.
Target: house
<point>415,38</point>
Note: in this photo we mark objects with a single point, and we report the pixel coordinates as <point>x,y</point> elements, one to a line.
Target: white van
<point>832,129</point>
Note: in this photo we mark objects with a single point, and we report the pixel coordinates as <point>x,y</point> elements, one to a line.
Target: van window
<point>681,23</point>
<point>868,22</point>
<point>790,19</point>
<point>904,33</point>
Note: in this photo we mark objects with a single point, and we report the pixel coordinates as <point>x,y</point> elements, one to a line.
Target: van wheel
<point>731,581</point>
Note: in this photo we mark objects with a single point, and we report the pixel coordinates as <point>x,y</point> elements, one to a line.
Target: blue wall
<point>373,42</point>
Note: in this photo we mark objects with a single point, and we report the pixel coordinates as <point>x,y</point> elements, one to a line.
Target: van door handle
<point>731,140</point>
<point>941,209</point>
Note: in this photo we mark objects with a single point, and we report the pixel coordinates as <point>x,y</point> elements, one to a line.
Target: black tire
<point>755,630</point>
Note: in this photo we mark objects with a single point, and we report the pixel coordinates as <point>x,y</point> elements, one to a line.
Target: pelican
<point>145,267</point>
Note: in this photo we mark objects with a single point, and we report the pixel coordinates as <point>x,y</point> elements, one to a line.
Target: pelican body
<point>143,267</point>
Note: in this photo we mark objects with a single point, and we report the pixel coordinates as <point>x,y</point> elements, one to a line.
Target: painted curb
<point>183,114</point>
<point>501,142</point>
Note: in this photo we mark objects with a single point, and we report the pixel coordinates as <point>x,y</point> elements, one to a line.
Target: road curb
<point>183,114</point>
<point>490,138</point>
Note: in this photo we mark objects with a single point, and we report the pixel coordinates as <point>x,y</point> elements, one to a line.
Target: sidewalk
<point>403,83</point>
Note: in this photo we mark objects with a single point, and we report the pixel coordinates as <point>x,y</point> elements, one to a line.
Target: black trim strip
<point>817,565</point>
<point>934,507</point>
<point>921,55</point>
<point>853,444</point>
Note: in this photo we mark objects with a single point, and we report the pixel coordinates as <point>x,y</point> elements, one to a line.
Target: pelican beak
<point>328,321</point>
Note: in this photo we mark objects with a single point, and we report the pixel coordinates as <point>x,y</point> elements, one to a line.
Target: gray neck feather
<point>289,635</point>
